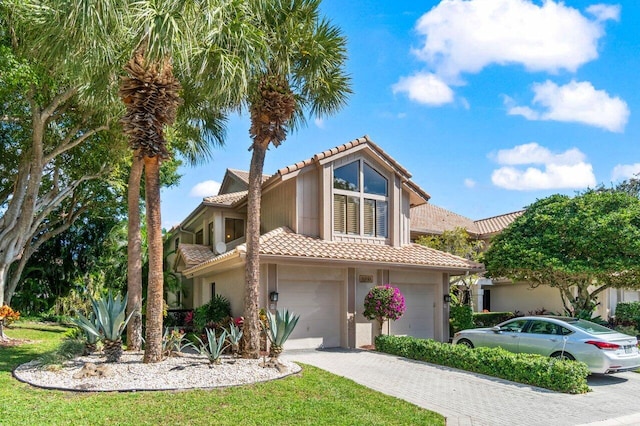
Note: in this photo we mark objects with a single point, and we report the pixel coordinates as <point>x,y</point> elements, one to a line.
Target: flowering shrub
<point>7,316</point>
<point>384,302</point>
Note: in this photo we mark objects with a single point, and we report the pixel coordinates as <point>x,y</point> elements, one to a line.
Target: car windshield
<point>590,327</point>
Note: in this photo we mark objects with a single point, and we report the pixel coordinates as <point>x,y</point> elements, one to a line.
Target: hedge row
<point>535,370</point>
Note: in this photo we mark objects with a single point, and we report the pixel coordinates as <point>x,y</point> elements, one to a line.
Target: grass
<point>313,397</point>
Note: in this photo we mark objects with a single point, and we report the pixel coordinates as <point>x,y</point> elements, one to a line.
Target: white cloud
<point>532,153</point>
<point>468,35</point>
<point>425,88</point>
<point>625,171</point>
<point>205,189</point>
<point>319,122</point>
<point>574,102</point>
<point>565,170</point>
<point>470,183</point>
<point>604,12</point>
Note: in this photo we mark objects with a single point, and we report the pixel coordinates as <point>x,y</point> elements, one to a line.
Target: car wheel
<point>563,355</point>
<point>465,342</point>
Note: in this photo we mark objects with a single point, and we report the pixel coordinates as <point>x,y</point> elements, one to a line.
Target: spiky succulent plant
<point>214,347</point>
<point>278,328</point>
<point>111,321</point>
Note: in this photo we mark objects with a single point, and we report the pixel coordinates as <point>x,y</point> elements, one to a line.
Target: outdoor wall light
<point>447,298</point>
<point>273,296</point>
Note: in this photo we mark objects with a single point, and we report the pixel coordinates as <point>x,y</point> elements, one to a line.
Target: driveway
<point>472,399</point>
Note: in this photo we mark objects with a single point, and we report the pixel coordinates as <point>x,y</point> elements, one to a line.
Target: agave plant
<point>91,331</point>
<point>111,320</point>
<point>235,334</point>
<point>278,328</point>
<point>174,342</point>
<point>214,346</point>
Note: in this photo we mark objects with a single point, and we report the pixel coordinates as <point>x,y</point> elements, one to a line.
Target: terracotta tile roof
<point>431,219</point>
<point>194,254</point>
<point>495,224</point>
<point>225,199</point>
<point>287,244</point>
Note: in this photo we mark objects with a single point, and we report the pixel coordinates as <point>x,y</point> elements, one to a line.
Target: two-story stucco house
<point>332,227</point>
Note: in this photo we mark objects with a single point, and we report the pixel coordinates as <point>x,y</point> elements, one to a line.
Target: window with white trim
<point>360,200</point>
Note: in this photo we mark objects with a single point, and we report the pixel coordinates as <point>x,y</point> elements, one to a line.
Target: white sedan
<point>602,349</point>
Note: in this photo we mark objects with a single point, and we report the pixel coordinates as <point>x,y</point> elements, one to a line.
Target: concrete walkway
<point>471,399</point>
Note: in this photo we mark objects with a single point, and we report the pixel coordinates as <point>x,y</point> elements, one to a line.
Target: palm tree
<point>301,72</point>
<point>209,43</point>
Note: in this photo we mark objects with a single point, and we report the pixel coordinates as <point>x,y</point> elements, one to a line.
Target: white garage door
<point>417,320</point>
<point>318,304</point>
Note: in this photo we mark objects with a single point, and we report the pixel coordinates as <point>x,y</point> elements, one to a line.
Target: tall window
<point>233,229</point>
<point>360,200</point>
<point>200,237</point>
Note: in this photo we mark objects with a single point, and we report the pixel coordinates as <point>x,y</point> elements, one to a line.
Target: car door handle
<point>554,340</point>
<point>513,336</point>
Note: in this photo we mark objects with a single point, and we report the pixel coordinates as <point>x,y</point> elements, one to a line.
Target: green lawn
<point>314,397</point>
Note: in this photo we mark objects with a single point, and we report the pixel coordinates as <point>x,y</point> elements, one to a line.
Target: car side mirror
<point>496,329</point>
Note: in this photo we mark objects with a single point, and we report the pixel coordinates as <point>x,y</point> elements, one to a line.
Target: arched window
<point>360,200</point>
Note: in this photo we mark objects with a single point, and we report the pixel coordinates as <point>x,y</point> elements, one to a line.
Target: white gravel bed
<point>188,371</point>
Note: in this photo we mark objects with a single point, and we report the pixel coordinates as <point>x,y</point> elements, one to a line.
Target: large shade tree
<point>186,65</point>
<point>55,158</point>
<point>580,245</point>
<point>301,72</point>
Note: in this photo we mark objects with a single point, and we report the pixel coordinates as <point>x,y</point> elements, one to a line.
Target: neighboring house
<point>486,294</point>
<point>501,294</point>
<point>332,227</point>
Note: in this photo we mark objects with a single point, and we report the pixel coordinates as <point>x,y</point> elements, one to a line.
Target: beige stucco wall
<point>520,296</point>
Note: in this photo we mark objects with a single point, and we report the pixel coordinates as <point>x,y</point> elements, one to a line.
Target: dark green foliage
<point>535,370</point>
<point>628,315</point>
<point>214,312</point>
<point>628,312</point>
<point>489,319</point>
<point>460,318</point>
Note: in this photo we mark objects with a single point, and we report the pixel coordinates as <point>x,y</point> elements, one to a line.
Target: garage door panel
<point>417,320</point>
<point>318,304</point>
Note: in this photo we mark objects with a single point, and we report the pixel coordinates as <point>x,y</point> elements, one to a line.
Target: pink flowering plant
<point>384,302</point>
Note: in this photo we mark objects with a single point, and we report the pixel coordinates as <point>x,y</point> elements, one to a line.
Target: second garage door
<point>318,304</point>
<point>417,320</point>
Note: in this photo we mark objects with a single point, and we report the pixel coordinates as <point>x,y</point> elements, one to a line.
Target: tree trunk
<point>251,328</point>
<point>4,276</point>
<point>134,257</point>
<point>153,335</point>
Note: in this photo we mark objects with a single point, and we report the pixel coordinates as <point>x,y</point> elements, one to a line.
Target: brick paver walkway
<point>470,399</point>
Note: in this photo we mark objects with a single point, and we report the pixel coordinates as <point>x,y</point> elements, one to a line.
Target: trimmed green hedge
<point>628,313</point>
<point>536,370</point>
<point>460,318</point>
<point>489,319</point>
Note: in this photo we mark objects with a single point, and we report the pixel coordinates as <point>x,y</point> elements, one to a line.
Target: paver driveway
<point>471,399</point>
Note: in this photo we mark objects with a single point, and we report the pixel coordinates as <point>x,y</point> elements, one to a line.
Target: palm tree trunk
<point>251,329</point>
<point>153,335</point>
<point>134,257</point>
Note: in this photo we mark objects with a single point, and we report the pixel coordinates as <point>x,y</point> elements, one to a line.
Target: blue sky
<point>490,104</point>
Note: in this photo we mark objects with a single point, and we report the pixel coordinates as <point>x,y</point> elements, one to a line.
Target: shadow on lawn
<point>13,356</point>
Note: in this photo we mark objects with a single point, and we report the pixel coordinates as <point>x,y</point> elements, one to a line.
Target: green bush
<point>628,313</point>
<point>212,314</point>
<point>460,318</point>
<point>489,319</point>
<point>535,370</point>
